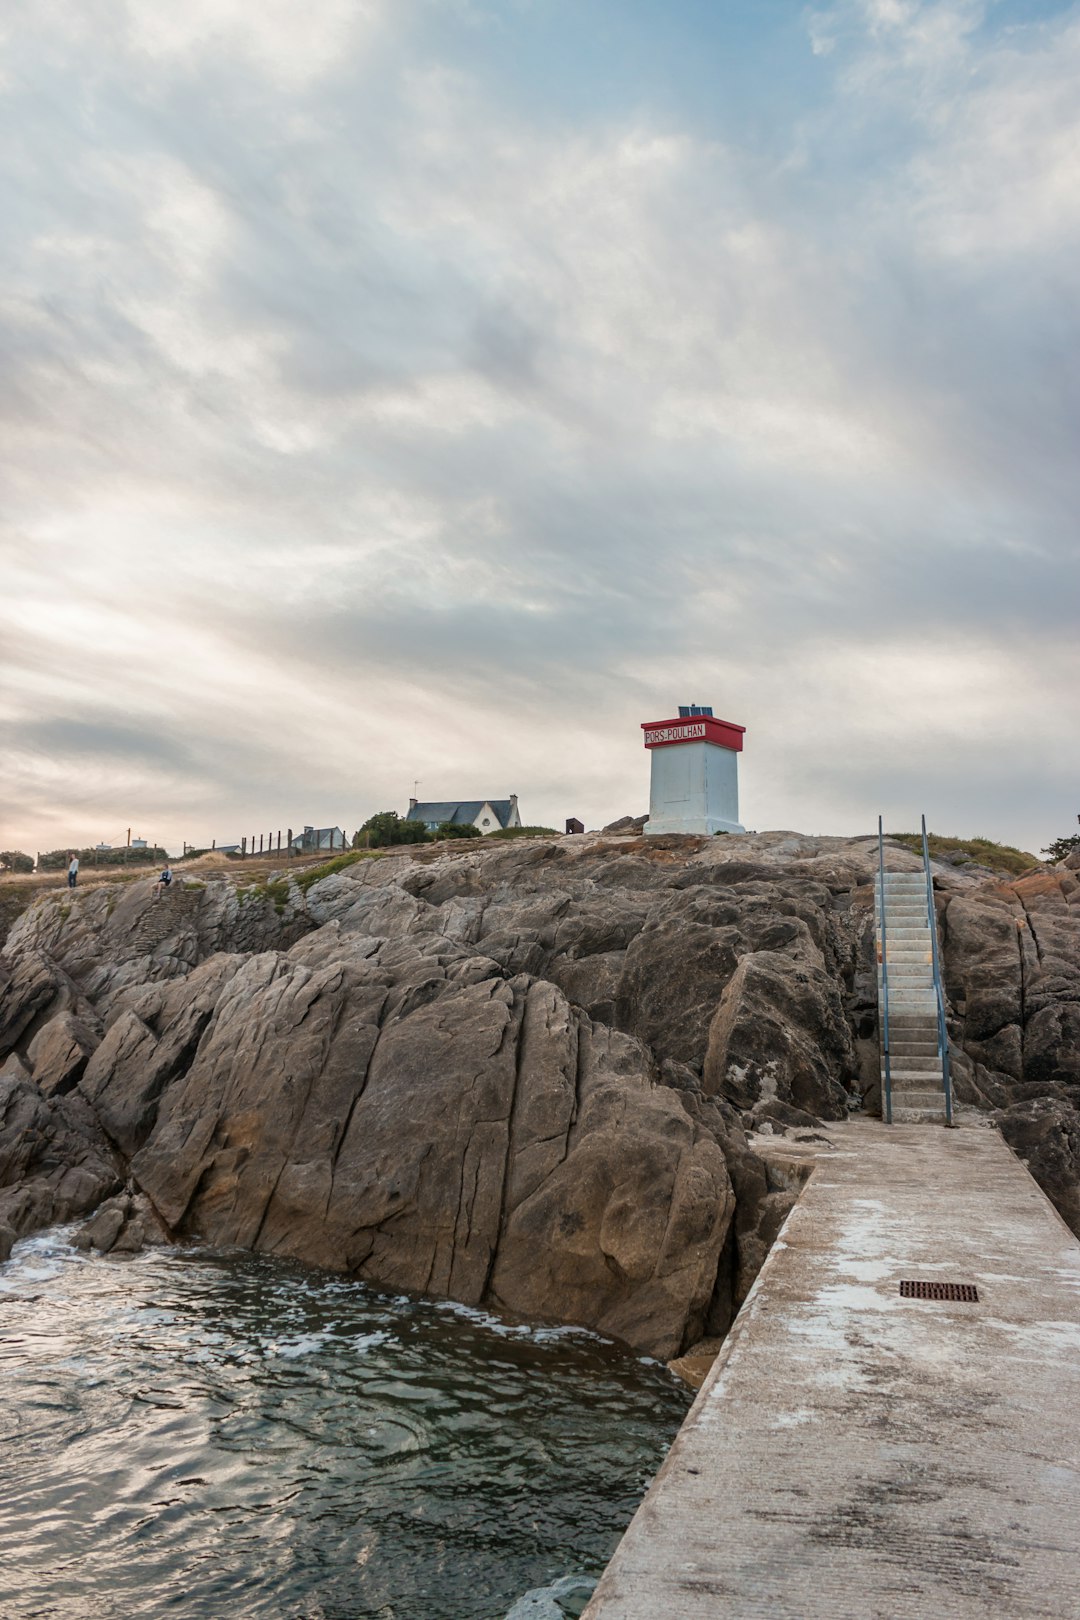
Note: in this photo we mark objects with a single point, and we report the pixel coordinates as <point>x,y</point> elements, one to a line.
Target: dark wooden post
<point>243,849</point>
<point>288,843</point>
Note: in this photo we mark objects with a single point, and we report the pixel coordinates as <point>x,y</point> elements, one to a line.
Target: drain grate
<point>967,1292</point>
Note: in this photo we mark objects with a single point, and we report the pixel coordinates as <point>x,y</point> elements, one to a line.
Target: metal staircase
<point>915,1082</point>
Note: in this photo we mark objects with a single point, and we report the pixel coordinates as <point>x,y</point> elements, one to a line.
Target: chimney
<point>412,805</point>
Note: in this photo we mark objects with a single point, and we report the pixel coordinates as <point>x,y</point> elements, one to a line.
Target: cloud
<point>363,427</point>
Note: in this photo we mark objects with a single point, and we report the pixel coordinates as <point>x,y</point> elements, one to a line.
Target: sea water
<point>193,1434</point>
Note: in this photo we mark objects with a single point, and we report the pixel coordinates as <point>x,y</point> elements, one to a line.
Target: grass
<point>1002,858</point>
<point>315,874</point>
<point>524,832</point>
<point>276,890</point>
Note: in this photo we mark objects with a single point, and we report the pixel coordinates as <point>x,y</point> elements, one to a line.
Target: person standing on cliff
<point>73,871</point>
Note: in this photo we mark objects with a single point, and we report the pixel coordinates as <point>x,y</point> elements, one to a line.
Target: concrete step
<point>904,1105</point>
<point>918,1116</point>
<point>903,1061</point>
<point>912,1049</point>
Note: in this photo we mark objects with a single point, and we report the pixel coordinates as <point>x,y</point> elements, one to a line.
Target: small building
<point>695,773</point>
<point>573,825</point>
<point>317,838</point>
<point>489,815</point>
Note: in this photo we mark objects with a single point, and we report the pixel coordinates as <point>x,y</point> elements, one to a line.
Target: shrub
<point>1057,851</point>
<point>454,829</point>
<point>387,828</point>
<point>15,860</point>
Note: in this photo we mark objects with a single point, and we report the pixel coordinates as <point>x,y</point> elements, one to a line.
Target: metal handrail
<point>884,961</point>
<point>943,1033</point>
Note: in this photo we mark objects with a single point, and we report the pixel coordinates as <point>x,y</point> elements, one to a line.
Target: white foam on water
<point>515,1330</point>
<point>39,1258</point>
<point>564,1599</point>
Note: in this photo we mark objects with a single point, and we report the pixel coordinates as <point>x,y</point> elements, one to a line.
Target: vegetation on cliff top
<point>523,832</point>
<point>996,857</point>
<point>1060,848</point>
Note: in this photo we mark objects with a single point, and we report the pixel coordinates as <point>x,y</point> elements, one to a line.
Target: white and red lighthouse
<point>695,773</point>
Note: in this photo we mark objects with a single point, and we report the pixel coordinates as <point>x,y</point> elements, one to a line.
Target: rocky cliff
<point>519,1074</point>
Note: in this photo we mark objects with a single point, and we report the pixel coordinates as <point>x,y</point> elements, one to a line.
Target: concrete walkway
<point>855,1453</point>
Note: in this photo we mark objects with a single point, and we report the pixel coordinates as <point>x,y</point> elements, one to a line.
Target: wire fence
<point>280,843</point>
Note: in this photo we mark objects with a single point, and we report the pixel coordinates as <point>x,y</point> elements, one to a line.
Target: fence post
<point>288,840</point>
<point>243,848</point>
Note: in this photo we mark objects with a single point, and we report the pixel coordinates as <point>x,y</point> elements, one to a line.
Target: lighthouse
<point>695,773</point>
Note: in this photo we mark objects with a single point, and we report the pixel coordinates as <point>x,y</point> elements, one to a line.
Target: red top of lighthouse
<point>694,728</point>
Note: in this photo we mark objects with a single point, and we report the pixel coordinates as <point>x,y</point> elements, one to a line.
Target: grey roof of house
<point>461,813</point>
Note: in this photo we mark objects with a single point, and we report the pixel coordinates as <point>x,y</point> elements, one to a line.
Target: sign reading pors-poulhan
<point>695,773</point>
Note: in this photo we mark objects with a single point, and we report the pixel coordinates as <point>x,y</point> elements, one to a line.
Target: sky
<point>431,391</point>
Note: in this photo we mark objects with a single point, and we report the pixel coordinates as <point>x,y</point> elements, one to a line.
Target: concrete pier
<point>854,1453</point>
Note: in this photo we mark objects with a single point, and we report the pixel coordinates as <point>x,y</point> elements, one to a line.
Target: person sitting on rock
<point>163,881</point>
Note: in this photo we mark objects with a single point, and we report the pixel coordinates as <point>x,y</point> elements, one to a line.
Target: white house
<point>489,815</point>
